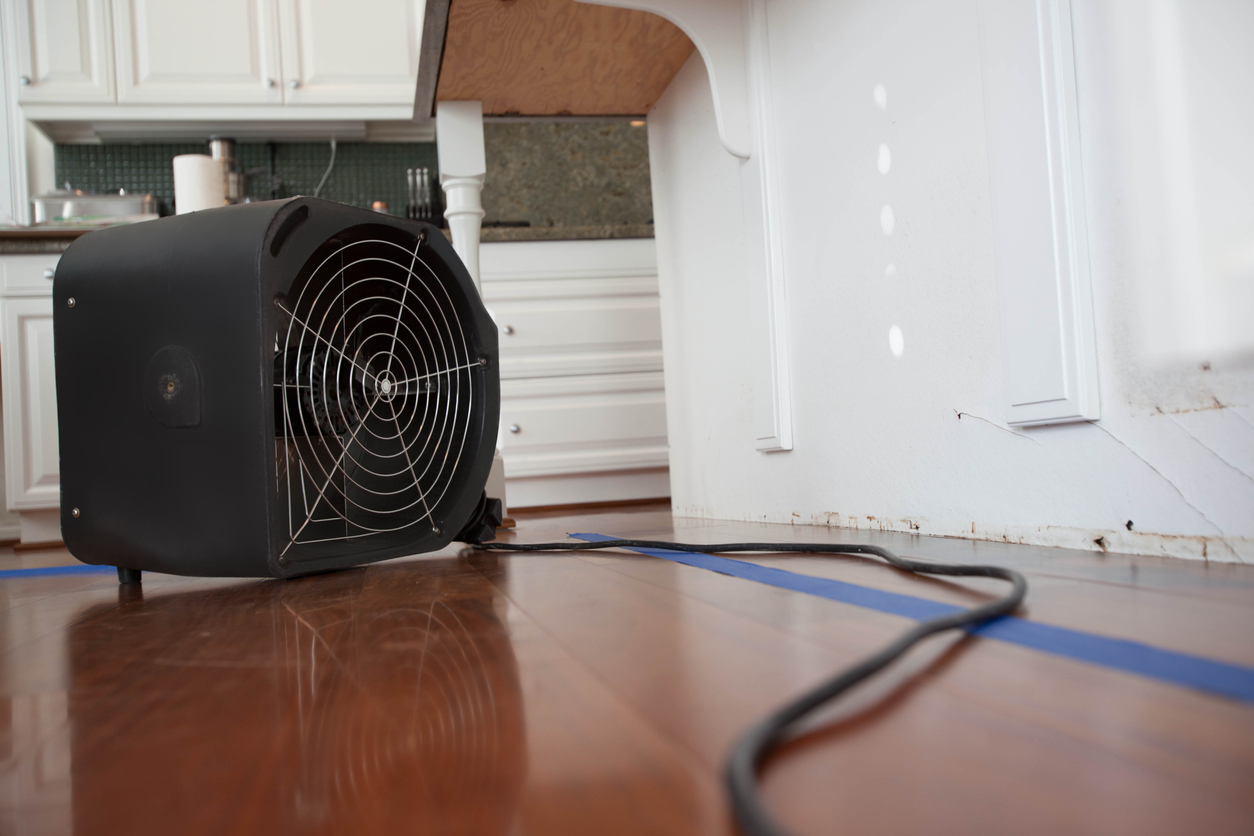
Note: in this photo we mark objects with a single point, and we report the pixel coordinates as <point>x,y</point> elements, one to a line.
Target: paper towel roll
<point>198,183</point>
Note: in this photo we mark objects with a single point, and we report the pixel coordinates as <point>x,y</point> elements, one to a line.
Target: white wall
<point>879,441</point>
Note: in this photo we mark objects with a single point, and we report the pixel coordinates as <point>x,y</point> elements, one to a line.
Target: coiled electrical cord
<point>743,762</point>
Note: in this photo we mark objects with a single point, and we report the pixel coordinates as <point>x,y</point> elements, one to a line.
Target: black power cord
<point>750,750</point>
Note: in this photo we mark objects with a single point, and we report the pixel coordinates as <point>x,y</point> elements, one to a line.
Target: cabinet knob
<point>49,272</point>
<point>515,429</point>
<point>271,82</point>
<point>23,80</point>
<point>294,83</point>
<point>508,329</point>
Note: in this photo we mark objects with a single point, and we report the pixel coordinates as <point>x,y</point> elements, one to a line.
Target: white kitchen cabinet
<point>192,52</point>
<point>583,424</point>
<point>31,425</point>
<point>337,53</point>
<point>63,50</point>
<point>583,407</point>
<point>32,463</point>
<point>236,60</point>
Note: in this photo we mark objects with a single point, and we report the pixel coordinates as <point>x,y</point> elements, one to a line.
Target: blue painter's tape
<point>1204,674</point>
<point>47,571</point>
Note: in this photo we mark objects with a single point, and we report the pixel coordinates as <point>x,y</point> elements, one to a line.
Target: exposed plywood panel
<point>555,57</point>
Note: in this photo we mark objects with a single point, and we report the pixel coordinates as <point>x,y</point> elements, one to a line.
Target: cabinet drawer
<point>579,336</point>
<point>28,275</point>
<point>584,425</point>
<point>32,465</point>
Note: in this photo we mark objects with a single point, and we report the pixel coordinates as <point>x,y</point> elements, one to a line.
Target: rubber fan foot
<point>482,525</point>
<point>128,575</point>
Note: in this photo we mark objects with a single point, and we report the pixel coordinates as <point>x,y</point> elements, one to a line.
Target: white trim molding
<point>733,40</point>
<point>760,183</point>
<point>1039,225</point>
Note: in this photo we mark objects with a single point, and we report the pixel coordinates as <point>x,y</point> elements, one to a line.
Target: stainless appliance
<point>420,205</point>
<point>224,150</point>
<point>76,205</point>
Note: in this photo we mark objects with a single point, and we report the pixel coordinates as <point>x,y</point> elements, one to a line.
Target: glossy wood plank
<point>750,659</point>
<point>1175,604</point>
<point>598,692</point>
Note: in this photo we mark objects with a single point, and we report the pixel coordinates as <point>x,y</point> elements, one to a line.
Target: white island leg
<point>459,139</point>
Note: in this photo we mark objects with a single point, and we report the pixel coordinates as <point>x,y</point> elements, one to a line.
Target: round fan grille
<point>377,394</point>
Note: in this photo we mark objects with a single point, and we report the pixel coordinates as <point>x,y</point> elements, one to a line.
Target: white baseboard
<point>42,526</point>
<point>530,491</point>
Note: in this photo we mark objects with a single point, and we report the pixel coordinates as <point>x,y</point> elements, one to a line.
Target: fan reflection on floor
<point>365,701</point>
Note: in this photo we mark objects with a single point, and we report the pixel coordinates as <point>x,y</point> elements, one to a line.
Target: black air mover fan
<point>271,389</point>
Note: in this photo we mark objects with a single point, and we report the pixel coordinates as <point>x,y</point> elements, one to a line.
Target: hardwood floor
<point>598,692</point>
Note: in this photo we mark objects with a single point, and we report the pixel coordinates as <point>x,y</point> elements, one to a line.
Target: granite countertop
<point>34,241</point>
<point>564,233</point>
<point>23,240</point>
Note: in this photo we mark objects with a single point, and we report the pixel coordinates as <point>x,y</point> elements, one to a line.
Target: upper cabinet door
<point>64,50</point>
<point>363,52</point>
<point>196,52</point>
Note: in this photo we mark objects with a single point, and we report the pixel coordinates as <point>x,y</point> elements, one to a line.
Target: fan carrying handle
<point>286,226</point>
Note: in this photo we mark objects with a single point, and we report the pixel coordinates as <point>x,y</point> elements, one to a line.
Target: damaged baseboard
<point>1210,547</point>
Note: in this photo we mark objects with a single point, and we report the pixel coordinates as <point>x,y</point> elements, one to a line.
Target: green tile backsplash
<point>547,174</point>
<point>364,171</point>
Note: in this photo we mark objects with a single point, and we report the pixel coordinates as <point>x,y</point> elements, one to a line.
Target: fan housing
<point>270,389</point>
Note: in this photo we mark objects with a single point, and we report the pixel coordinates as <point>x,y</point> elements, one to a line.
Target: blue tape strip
<point>81,569</point>
<point>1184,669</point>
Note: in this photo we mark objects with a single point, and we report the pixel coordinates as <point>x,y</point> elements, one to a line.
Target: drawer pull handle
<point>24,80</point>
<point>508,329</point>
<point>294,84</point>
<point>49,272</point>
<point>515,429</point>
